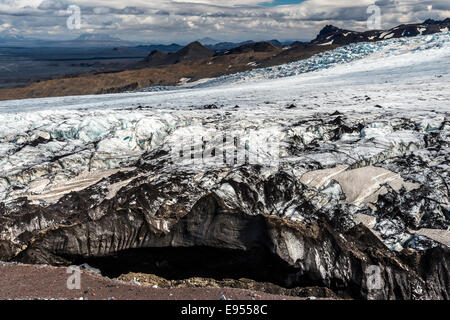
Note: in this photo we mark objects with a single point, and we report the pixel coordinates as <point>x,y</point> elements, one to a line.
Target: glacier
<point>363,137</point>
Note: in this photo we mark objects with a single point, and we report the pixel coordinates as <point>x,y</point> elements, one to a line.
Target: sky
<point>167,21</point>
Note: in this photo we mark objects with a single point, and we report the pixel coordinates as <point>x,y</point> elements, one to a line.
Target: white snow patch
<point>326,43</point>
<point>183,81</point>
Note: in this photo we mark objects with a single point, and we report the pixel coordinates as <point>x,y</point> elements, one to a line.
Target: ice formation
<point>363,137</point>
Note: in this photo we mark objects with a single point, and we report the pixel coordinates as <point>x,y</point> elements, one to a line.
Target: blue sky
<point>280,2</point>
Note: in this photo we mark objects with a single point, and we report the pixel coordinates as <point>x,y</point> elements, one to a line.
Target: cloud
<point>185,20</point>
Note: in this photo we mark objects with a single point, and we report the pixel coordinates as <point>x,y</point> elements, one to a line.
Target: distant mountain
<point>336,36</point>
<point>191,52</point>
<point>208,41</point>
<point>196,51</point>
<point>95,40</point>
<point>12,39</point>
<point>276,43</point>
<point>263,46</point>
<point>90,40</point>
<point>84,40</point>
<point>221,46</point>
<point>156,58</point>
<point>194,61</point>
<point>297,43</point>
<point>162,47</point>
<point>96,37</point>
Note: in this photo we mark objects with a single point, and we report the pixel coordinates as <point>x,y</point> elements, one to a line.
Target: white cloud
<point>167,20</point>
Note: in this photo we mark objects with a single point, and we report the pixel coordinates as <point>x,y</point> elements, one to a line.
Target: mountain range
<point>173,65</point>
<point>104,40</point>
<point>84,40</point>
<point>329,34</point>
<point>333,35</point>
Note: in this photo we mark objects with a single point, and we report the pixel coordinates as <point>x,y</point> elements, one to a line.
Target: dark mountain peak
<point>298,43</point>
<point>222,46</point>
<point>156,52</point>
<point>193,51</point>
<point>331,35</point>
<point>430,21</point>
<point>329,29</point>
<point>195,44</point>
<point>156,57</point>
<point>262,46</point>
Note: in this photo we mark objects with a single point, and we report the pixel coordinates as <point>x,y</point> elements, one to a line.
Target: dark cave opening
<point>178,263</point>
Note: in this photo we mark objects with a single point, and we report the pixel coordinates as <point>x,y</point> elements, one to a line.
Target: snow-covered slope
<point>420,56</point>
<point>357,106</point>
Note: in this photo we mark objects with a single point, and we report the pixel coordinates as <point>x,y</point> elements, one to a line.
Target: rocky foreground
<point>41,282</point>
<point>288,186</point>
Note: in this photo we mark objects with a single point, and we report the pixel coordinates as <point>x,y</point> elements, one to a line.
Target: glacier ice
<point>362,105</point>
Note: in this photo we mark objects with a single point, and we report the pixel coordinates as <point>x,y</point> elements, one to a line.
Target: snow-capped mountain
<point>333,58</point>
<point>333,35</point>
<point>358,176</point>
